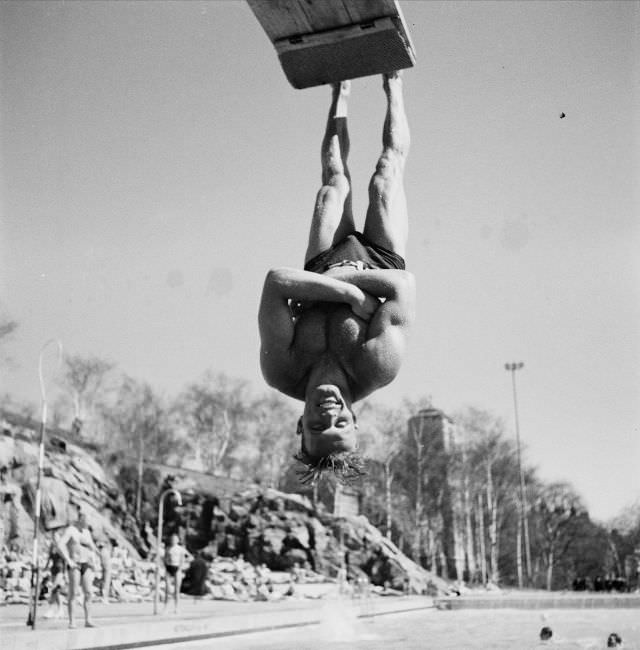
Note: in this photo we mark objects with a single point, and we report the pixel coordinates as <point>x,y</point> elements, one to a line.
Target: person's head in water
<point>327,432</point>
<point>545,633</point>
<point>614,640</point>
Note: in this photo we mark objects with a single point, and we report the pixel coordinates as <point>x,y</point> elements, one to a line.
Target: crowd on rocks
<point>125,577</point>
<point>263,546</point>
<point>282,531</point>
<point>121,578</point>
<point>254,544</point>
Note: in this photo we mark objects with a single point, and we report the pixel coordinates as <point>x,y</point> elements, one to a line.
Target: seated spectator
<point>195,578</point>
<point>291,589</point>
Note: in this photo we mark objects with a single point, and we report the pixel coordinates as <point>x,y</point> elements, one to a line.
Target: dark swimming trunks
<point>171,569</point>
<point>356,248</point>
<point>83,567</point>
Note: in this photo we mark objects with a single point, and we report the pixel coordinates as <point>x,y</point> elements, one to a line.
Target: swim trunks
<point>171,569</point>
<point>83,567</point>
<point>352,249</point>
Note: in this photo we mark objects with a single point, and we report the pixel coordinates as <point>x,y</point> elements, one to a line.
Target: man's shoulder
<point>370,375</point>
<point>285,373</point>
<point>378,362</point>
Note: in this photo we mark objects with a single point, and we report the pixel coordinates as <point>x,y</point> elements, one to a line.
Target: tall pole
<point>159,542</point>
<point>35,566</point>
<point>512,368</point>
<point>140,474</point>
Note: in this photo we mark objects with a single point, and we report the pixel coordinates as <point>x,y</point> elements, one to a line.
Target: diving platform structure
<point>328,41</point>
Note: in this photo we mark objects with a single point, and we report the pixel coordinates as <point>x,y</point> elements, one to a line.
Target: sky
<point>155,163</point>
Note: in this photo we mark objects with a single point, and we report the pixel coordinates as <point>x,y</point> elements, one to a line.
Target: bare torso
<point>78,544</point>
<point>360,340</point>
<point>331,333</point>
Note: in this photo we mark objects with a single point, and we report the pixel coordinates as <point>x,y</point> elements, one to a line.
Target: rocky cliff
<point>263,526</point>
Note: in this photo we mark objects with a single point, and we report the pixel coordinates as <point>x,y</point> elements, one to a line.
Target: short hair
<point>347,466</point>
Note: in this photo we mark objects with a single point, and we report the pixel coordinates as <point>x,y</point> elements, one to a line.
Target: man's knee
<point>387,178</point>
<point>334,192</point>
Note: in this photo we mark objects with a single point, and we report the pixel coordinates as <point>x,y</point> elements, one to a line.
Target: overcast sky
<point>156,162</point>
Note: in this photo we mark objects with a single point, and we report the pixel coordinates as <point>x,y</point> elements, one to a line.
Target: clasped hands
<point>362,304</point>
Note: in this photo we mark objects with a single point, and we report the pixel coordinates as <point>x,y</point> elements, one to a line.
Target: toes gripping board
<point>327,41</point>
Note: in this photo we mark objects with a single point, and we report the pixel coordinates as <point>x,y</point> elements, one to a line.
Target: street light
<point>160,512</point>
<point>512,368</point>
<point>35,565</point>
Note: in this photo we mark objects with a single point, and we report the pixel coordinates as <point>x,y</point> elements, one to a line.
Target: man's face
<point>328,425</point>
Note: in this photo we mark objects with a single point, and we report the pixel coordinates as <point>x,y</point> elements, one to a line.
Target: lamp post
<point>523,523</point>
<point>35,566</point>
<point>159,542</point>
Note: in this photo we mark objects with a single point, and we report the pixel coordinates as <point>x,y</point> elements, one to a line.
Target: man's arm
<point>284,284</point>
<point>395,286</point>
<point>382,353</point>
<point>296,284</point>
<point>92,543</point>
<point>62,544</point>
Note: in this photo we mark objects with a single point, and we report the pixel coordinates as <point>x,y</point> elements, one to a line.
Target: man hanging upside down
<point>334,332</point>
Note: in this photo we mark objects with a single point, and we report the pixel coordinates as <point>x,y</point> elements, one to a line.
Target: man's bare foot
<point>391,78</point>
<point>343,88</point>
<point>340,93</point>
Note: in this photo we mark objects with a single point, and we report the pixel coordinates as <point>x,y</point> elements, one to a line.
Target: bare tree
<point>140,429</point>
<point>489,460</point>
<point>84,380</point>
<point>213,413</point>
<point>556,508</point>
<point>384,432</point>
<point>415,480</point>
<point>270,441</point>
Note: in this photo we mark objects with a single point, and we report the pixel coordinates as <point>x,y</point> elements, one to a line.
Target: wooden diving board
<point>327,41</point>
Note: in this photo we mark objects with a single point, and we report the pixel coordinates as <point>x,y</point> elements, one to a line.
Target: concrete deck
<point>121,626</point>
<point>132,625</point>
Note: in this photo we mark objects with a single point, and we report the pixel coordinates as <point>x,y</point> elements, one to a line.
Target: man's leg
<point>386,223</point>
<point>106,582</point>
<point>71,595</point>
<point>176,593</point>
<point>167,582</point>
<point>332,216</point>
<point>87,583</point>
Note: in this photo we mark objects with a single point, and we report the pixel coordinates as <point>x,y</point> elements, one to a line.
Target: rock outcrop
<point>264,526</point>
<point>71,476</point>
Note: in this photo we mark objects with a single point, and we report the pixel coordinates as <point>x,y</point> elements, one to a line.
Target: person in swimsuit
<point>105,549</point>
<point>56,565</point>
<point>334,332</point>
<point>78,548</point>
<point>174,558</point>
